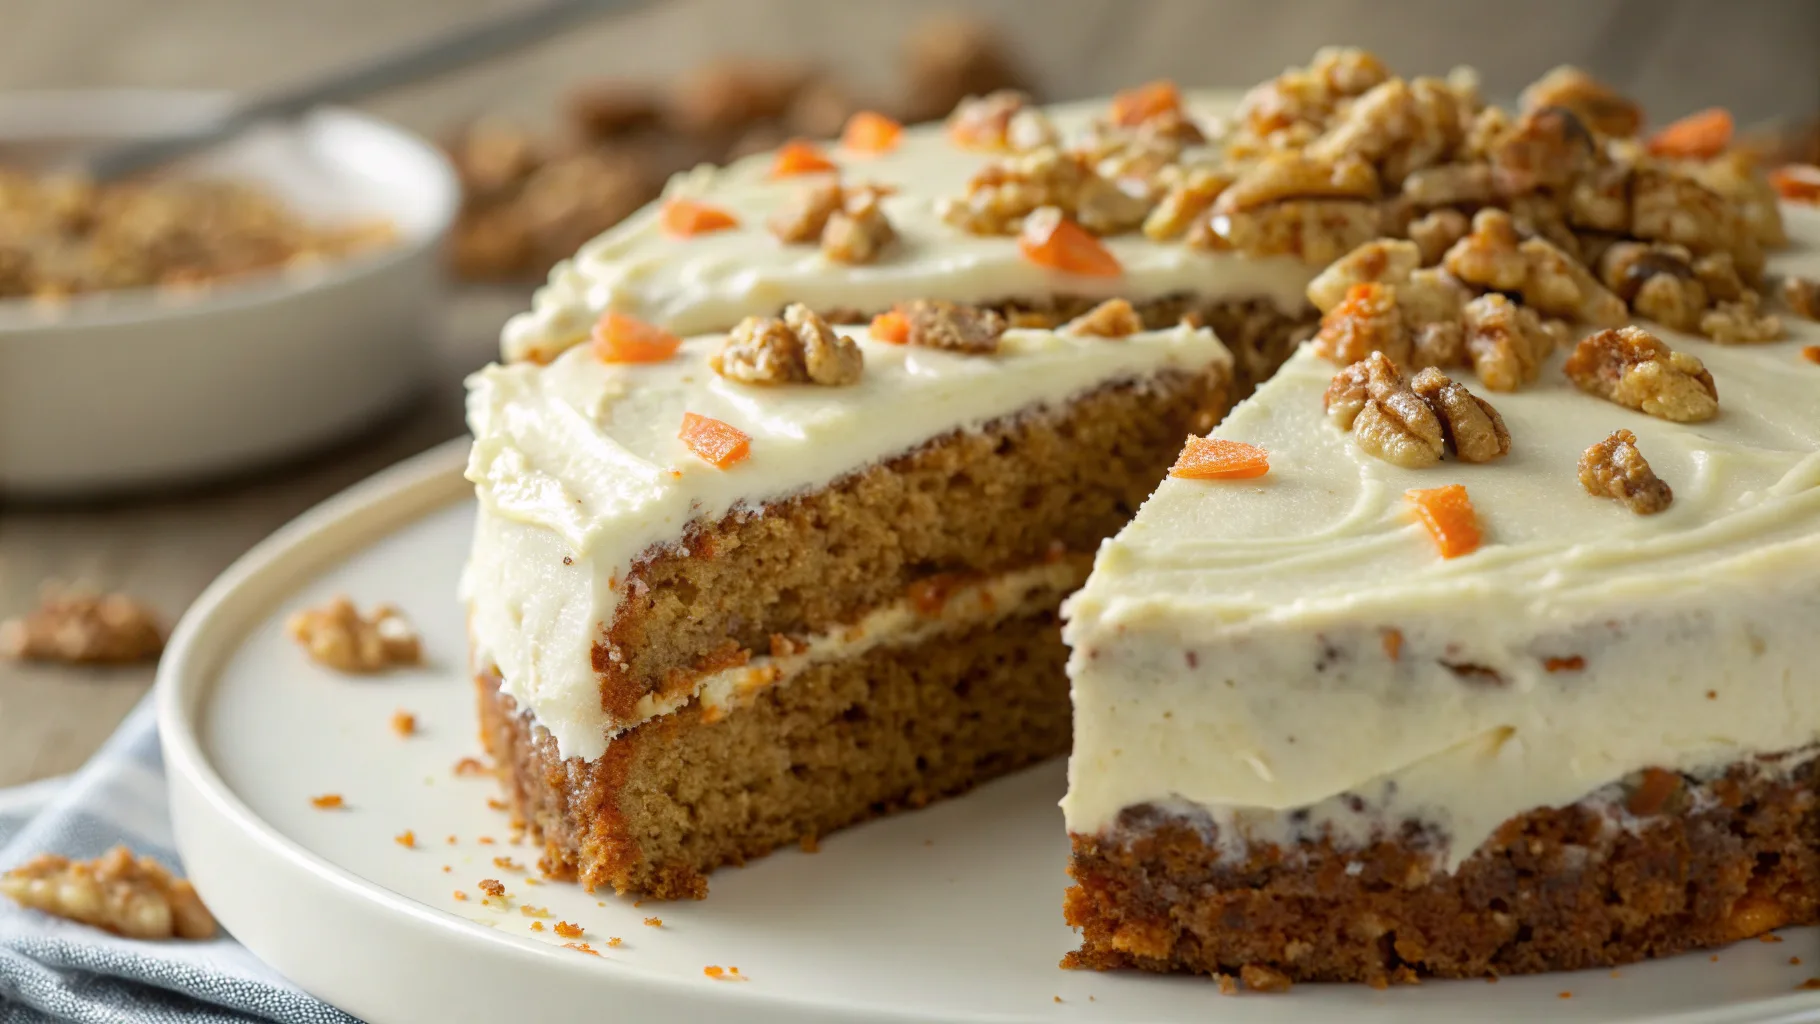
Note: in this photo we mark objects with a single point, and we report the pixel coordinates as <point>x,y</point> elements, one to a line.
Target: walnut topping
<point>1597,106</point>
<point>84,628</point>
<point>127,895</point>
<point>1657,280</point>
<point>1441,344</point>
<point>954,327</point>
<point>1634,368</point>
<point>1436,231</point>
<point>1366,321</point>
<point>1670,207</point>
<point>1114,318</point>
<point>1494,257</point>
<point>859,230</point>
<point>1741,322</point>
<point>1505,342</point>
<point>1454,184</point>
<point>799,348</point>
<point>1307,96</point>
<point>1189,194</point>
<point>1470,426</point>
<point>985,122</point>
<point>1802,295</point>
<point>1001,195</point>
<point>1386,260</point>
<point>1402,126</point>
<point>1736,175</point>
<point>1284,176</point>
<point>1316,231</point>
<point>1614,468</point>
<point>1547,147</point>
<point>338,636</point>
<point>1386,417</point>
<point>806,215</point>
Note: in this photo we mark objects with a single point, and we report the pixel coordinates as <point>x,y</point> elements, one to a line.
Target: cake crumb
<point>1712,695</point>
<point>472,766</point>
<point>79,628</point>
<point>1769,937</point>
<point>485,840</point>
<point>654,922</point>
<point>496,804</point>
<point>1229,985</point>
<point>1566,995</point>
<point>507,864</point>
<point>529,911</point>
<point>1811,353</point>
<point>451,840</point>
<point>328,802</point>
<point>1393,643</point>
<point>406,839</point>
<point>613,941</point>
<point>128,895</point>
<point>1808,984</point>
<point>1058,999</point>
<point>537,926</point>
<point>569,931</point>
<point>493,887</point>
<point>1262,978</point>
<point>1714,958</point>
<point>404,723</point>
<point>336,635</point>
<point>533,880</point>
<point>581,947</point>
<point>461,896</point>
<point>811,843</point>
<point>1794,961</point>
<point>720,974</point>
<point>446,869</point>
<point>1571,663</point>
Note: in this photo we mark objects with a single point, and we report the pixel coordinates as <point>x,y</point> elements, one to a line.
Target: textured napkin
<point>56,970</point>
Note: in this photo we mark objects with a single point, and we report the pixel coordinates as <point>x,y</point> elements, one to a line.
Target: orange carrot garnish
<point>891,326</point>
<point>1451,521</point>
<point>1700,136</point>
<point>718,444</point>
<point>686,217</point>
<point>619,338</point>
<point>800,156</point>
<point>1213,458</point>
<point>1797,182</point>
<point>871,132</point>
<point>1051,240</point>
<point>1132,107</point>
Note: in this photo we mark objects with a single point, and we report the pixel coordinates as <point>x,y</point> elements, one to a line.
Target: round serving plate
<point>952,913</point>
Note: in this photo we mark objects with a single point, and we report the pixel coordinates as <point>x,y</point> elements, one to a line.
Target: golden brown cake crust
<point>844,741</point>
<point>1553,889</point>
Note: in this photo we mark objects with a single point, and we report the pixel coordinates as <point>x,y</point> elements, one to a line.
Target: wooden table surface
<point>1754,57</point>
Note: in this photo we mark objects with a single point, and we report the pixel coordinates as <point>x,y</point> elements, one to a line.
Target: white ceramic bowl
<point>123,390</point>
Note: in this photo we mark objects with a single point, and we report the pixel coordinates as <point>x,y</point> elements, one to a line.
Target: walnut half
<point>1632,367</point>
<point>800,348</point>
<point>1471,427</point>
<point>131,896</point>
<point>1387,418</point>
<point>1614,468</point>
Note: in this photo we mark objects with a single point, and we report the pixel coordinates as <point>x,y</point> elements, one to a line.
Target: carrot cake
<point>1504,663</point>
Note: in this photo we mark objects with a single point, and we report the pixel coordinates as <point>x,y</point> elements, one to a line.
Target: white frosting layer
<point>1229,649</point>
<point>708,282</point>
<point>579,472</point>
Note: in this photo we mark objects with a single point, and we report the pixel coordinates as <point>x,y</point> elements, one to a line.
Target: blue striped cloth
<point>56,970</point>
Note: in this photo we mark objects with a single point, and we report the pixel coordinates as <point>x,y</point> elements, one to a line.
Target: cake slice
<point>752,587</point>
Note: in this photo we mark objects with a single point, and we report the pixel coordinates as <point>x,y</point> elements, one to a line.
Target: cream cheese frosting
<point>579,471</point>
<point>709,281</point>
<point>1230,656</point>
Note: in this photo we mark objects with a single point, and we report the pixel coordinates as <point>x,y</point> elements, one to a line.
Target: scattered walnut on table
<point>1114,318</point>
<point>1505,342</point>
<point>84,628</point>
<point>118,892</point>
<point>798,348</point>
<point>1614,468</point>
<point>338,636</point>
<point>1386,417</point>
<point>1802,294</point>
<point>1741,322</point>
<point>1633,368</point>
<point>952,326</point>
<point>1469,424</point>
<point>1366,321</point>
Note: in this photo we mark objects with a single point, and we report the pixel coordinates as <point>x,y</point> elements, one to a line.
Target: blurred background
<point>559,139</point>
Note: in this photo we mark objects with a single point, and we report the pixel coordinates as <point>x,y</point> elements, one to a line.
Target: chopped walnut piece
<point>1614,468</point>
<point>798,348</point>
<point>1505,342</point>
<point>1309,95</point>
<point>1489,256</point>
<point>1657,280</point>
<point>985,122</point>
<point>1735,174</point>
<point>1401,125</point>
<point>1742,322</point>
<point>84,629</point>
<point>1547,147</point>
<point>1455,184</point>
<point>118,892</point>
<point>1469,424</point>
<point>859,230</point>
<point>1597,105</point>
<point>1440,344</point>
<point>1802,294</point>
<point>1387,418</point>
<point>338,636</point>
<point>1385,260</point>
<point>1366,321</point>
<point>1001,195</point>
<point>1667,206</point>
<point>1316,231</point>
<point>1633,368</point>
<point>958,328</point>
<point>1719,273</point>
<point>1493,256</point>
<point>806,215</point>
<point>1284,176</point>
<point>1189,194</point>
<point>1436,231</point>
<point>1114,318</point>
<point>1599,200</point>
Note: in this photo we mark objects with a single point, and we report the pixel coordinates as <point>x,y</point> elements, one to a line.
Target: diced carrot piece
<point>1797,182</point>
<point>1132,107</point>
<point>1700,136</point>
<point>1212,458</point>
<point>1052,240</point>
<point>871,132</point>
<point>619,338</point>
<point>686,217</point>
<point>891,326</point>
<point>1451,521</point>
<point>715,443</point>
<point>800,156</point>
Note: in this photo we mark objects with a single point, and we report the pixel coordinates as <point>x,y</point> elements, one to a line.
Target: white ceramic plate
<point>125,389</point>
<point>948,914</point>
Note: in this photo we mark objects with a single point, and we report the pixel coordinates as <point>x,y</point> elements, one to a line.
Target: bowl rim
<point>20,317</point>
